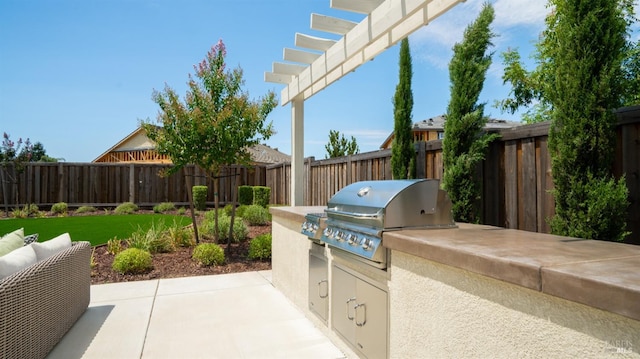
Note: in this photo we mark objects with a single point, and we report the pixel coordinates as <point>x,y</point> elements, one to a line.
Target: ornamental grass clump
<point>260,247</point>
<point>164,207</point>
<point>126,208</point>
<point>240,230</point>
<point>85,209</point>
<point>132,261</point>
<point>154,239</point>
<point>60,208</point>
<point>207,254</point>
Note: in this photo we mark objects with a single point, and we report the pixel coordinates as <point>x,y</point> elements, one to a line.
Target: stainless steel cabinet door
<point>343,297</point>
<point>318,286</point>
<point>371,320</point>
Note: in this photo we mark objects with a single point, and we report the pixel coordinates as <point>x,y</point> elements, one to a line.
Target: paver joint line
<point>146,332</point>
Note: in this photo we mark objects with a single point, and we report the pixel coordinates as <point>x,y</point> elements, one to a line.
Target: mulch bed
<point>179,263</point>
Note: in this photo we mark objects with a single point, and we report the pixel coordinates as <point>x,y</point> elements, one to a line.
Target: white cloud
<point>433,43</point>
<point>510,13</point>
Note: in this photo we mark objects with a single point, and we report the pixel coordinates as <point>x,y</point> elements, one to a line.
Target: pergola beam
<point>359,6</point>
<point>313,43</point>
<point>331,24</point>
<point>287,69</point>
<point>387,24</point>
<point>300,56</point>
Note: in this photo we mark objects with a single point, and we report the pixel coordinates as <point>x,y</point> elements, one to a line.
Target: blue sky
<point>77,75</point>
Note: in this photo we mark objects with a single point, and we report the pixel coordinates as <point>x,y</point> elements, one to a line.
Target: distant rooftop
<point>437,123</point>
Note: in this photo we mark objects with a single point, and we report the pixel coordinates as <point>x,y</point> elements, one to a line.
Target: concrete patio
<point>220,316</point>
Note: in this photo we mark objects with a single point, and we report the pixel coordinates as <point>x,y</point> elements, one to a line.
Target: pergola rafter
<point>386,22</point>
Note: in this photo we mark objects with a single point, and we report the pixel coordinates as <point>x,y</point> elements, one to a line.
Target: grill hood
<point>392,204</point>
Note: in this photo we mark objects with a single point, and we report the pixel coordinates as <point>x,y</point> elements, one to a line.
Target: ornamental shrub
<point>163,207</point>
<point>245,195</point>
<point>207,254</point>
<point>261,195</point>
<point>241,209</point>
<point>200,197</point>
<point>240,230</point>
<point>60,208</point>
<point>132,261</point>
<point>126,208</point>
<point>85,209</point>
<point>256,215</point>
<point>260,247</point>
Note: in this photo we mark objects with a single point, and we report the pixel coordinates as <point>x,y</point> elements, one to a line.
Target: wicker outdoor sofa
<point>40,303</point>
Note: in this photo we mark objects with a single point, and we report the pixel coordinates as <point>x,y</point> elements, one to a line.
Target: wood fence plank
<point>511,184</point>
<point>529,187</point>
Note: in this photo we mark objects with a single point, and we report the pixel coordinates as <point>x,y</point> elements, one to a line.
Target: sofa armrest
<point>39,304</point>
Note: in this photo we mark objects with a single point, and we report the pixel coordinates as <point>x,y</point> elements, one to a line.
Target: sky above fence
<point>78,76</point>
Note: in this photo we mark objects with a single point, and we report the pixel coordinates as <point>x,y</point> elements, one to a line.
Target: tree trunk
<point>191,208</point>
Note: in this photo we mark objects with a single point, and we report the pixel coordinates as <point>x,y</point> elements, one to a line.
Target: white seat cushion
<point>17,260</point>
<point>48,248</point>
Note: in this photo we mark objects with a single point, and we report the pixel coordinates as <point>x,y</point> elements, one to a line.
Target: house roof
<point>138,141</point>
<point>437,124</point>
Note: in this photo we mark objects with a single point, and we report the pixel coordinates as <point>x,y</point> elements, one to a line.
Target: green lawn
<point>95,229</point>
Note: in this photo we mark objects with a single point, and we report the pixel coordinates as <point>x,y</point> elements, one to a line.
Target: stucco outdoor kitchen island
<point>468,292</point>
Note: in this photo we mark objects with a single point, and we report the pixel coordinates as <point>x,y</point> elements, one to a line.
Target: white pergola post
<point>297,151</point>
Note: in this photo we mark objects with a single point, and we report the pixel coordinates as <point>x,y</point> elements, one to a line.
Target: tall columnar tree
<point>533,90</point>
<point>465,144</point>
<point>339,146</point>
<point>586,41</point>
<point>402,151</point>
<point>216,123</point>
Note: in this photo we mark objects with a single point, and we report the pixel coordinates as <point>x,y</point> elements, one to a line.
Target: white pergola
<point>305,73</point>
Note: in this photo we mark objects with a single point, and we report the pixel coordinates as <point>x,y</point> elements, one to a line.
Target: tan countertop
<point>600,274</point>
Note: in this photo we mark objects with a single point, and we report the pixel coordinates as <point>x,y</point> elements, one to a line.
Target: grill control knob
<point>327,232</point>
<point>353,239</point>
<point>367,243</point>
<point>340,236</point>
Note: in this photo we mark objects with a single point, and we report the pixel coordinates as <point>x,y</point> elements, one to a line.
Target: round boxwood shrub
<point>260,247</point>
<point>256,215</point>
<point>132,261</point>
<point>208,254</point>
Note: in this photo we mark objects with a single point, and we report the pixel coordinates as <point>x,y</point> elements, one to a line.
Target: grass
<point>95,229</point>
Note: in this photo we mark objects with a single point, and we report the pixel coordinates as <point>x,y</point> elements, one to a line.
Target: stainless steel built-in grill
<point>358,214</point>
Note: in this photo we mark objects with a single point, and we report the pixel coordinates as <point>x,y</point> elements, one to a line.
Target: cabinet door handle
<point>364,315</point>
<point>326,288</point>
<point>349,316</point>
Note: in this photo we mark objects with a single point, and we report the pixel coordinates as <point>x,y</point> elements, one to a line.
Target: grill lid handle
<point>354,215</point>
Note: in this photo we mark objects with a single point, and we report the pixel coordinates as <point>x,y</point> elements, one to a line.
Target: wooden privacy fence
<point>516,175</point>
<point>109,184</point>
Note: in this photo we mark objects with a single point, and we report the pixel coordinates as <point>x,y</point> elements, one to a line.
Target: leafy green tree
<point>586,40</point>
<point>39,154</point>
<point>403,154</point>
<point>339,146</point>
<point>533,90</point>
<point>216,123</point>
<point>465,144</point>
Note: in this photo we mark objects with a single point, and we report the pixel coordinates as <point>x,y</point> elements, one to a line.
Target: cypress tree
<point>464,144</point>
<point>586,41</point>
<point>402,150</point>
